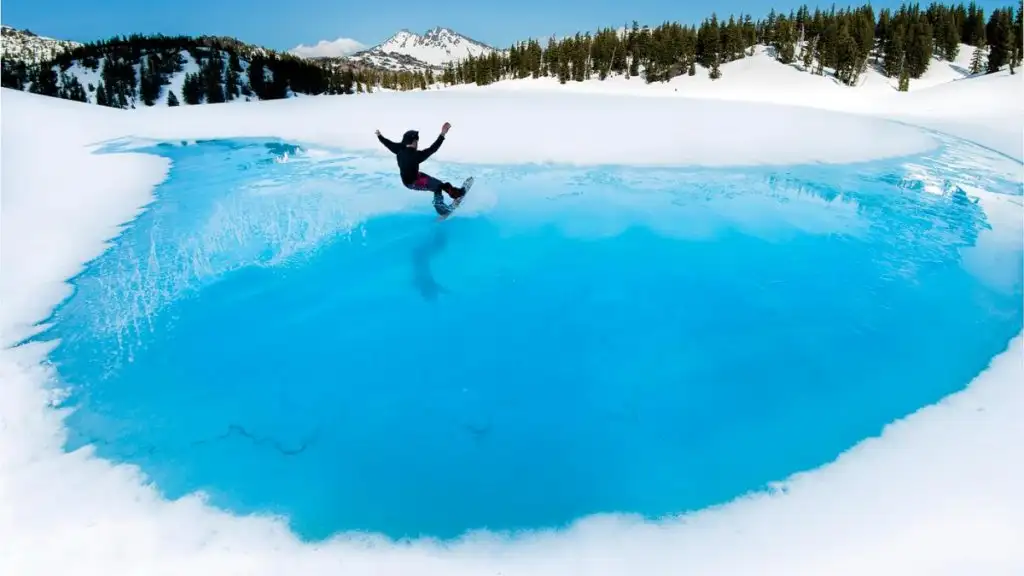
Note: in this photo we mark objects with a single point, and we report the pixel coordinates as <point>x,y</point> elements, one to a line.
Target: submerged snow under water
<point>292,332</point>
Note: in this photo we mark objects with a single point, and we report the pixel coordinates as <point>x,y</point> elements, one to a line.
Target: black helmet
<point>409,137</point>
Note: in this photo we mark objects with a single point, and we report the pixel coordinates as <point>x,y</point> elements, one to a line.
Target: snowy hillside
<point>409,51</point>
<point>151,71</point>
<point>762,77</point>
<point>24,46</point>
<point>782,59</point>
<point>170,92</point>
<point>393,61</point>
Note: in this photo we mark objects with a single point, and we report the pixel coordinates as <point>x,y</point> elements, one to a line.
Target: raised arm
<point>426,152</point>
<point>393,146</point>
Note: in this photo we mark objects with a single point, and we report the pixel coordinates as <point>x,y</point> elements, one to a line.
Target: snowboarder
<point>409,159</point>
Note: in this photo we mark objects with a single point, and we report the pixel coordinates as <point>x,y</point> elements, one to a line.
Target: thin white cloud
<point>323,48</point>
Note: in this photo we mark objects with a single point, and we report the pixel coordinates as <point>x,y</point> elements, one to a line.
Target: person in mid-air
<point>409,159</point>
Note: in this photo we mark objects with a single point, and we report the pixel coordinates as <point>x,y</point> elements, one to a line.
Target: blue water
<point>290,331</point>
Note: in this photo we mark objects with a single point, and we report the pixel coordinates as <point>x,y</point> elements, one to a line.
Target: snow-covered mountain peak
<point>433,49</point>
<point>401,40</point>
<point>441,35</point>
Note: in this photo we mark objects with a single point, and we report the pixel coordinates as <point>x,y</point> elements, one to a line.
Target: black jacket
<point>409,158</point>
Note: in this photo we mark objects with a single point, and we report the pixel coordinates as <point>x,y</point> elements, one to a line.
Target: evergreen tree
<point>863,31</point>
<point>172,100</point>
<point>231,79</point>
<point>976,60</point>
<point>974,26</point>
<point>1001,41</point>
<point>732,41</point>
<point>257,76</point>
<point>14,75</point>
<point>211,72</point>
<point>71,89</point>
<point>149,83</point>
<point>118,76</point>
<point>176,63</point>
<point>1018,27</point>
<point>715,72</point>
<point>847,58</point>
<point>950,37</point>
<point>919,48</point>
<point>1011,47</point>
<point>807,53</point>
<point>277,87</point>
<point>894,52</point>
<point>193,89</point>
<point>101,95</point>
<point>883,33</point>
<point>45,82</point>
<point>784,40</point>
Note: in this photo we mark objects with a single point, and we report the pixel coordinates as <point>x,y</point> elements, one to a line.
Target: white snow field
<point>934,99</point>
<point>937,493</point>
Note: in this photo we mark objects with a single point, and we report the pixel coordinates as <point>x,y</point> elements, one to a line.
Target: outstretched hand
<point>444,129</point>
<point>377,132</point>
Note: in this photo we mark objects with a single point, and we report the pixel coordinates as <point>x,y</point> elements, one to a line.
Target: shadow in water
<point>966,217</point>
<point>423,277</point>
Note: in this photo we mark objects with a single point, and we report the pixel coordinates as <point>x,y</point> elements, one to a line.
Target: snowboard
<point>455,203</point>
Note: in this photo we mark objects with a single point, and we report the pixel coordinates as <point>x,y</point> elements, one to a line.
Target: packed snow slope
<point>937,493</point>
<point>946,95</point>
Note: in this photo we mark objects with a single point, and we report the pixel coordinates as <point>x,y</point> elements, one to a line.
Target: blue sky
<point>283,25</point>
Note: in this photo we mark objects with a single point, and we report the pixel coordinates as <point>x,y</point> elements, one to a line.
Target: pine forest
<point>130,71</point>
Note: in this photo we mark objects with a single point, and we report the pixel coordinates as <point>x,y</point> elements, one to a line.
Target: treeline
<point>368,78</point>
<point>900,43</point>
<point>135,70</point>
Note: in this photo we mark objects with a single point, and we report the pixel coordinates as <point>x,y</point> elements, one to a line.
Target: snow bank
<point>986,109</point>
<point>60,202</point>
<point>760,78</point>
<point>938,493</point>
<point>552,127</point>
